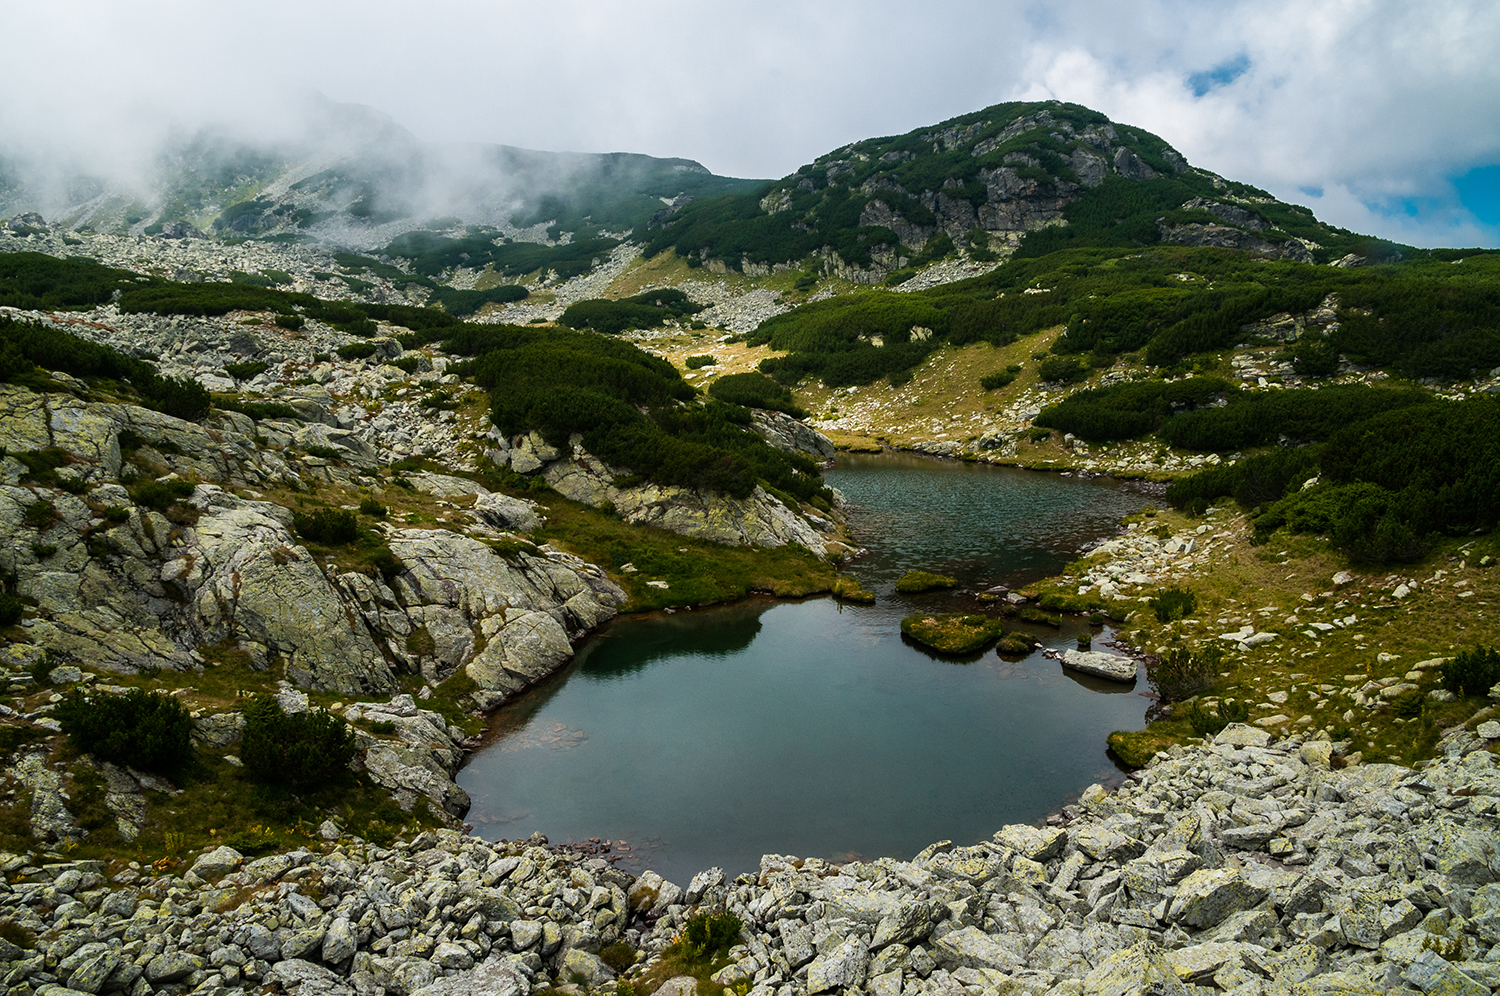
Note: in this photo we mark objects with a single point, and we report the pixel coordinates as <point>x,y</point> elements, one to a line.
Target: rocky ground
<point>1248,865</point>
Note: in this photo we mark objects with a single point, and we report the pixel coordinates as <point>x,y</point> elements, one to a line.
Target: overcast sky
<point>1381,115</point>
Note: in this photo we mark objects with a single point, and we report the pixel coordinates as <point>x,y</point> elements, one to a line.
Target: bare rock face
<point>123,588</point>
<point>1101,665</point>
<point>791,435</point>
<point>1225,237</point>
<point>246,577</point>
<point>526,609</point>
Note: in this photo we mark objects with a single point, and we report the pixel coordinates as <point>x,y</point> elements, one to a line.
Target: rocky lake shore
<point>1248,865</point>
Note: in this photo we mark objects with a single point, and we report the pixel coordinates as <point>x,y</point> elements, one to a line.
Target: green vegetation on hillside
<point>754,390</point>
<point>643,311</point>
<point>24,346</point>
<point>431,254</point>
<point>1385,484</point>
<point>1424,317</point>
<point>632,409</point>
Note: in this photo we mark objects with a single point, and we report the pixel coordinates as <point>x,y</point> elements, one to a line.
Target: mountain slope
<point>1029,177</point>
<point>351,175</point>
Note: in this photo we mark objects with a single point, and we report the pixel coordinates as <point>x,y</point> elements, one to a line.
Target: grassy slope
<point>1264,585</point>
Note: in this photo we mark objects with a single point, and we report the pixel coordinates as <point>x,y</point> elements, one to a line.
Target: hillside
<point>1028,178</point>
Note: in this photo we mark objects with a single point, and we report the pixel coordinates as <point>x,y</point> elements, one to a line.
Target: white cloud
<point>1382,99</point>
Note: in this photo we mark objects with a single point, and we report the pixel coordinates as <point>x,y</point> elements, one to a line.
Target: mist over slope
<point>350,175</point>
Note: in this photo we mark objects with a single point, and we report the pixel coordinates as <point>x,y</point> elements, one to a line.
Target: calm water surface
<point>714,736</point>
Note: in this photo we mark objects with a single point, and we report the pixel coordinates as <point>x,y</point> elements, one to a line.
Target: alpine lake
<point>709,737</point>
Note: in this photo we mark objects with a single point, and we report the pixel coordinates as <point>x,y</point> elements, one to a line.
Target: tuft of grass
<point>846,587</point>
<point>1136,748</point>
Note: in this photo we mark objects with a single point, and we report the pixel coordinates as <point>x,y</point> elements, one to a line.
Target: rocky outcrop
<point>792,435</point>
<point>761,519</point>
<point>122,587</point>
<point>1225,237</point>
<point>506,620</point>
<point>1100,665</point>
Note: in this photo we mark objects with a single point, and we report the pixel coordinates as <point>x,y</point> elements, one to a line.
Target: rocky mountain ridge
<point>983,184</point>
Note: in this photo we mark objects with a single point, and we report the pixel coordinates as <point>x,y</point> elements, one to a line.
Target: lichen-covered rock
<point>220,861</point>
<point>1100,665</point>
<point>1140,970</point>
<point>842,967</point>
<point>1038,844</point>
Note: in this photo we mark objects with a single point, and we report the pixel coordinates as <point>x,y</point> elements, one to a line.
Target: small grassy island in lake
<point>914,582</point>
<point>953,633</point>
<point>846,588</point>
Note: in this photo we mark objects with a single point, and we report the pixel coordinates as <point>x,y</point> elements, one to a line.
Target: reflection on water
<point>710,737</point>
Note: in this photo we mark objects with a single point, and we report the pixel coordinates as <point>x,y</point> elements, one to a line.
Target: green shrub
<point>141,729</point>
<point>1171,604</point>
<point>1181,673</point>
<point>357,350</point>
<point>461,303</point>
<point>697,362</point>
<point>1062,370</point>
<point>303,750</point>
<point>1408,705</point>
<point>1472,672</point>
<point>290,322</point>
<point>329,526</point>
<point>643,311</point>
<point>161,496</point>
<point>1129,410</point>
<point>40,514</point>
<point>11,609</point>
<point>246,371</point>
<point>994,381</point>
<point>754,390</point>
<point>1205,723</point>
<point>383,561</point>
<point>709,935</point>
<point>369,506</point>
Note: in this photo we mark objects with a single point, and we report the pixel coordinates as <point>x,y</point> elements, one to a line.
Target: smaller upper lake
<point>713,736</point>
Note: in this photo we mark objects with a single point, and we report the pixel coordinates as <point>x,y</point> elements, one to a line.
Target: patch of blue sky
<point>1223,74</point>
<point>1479,191</point>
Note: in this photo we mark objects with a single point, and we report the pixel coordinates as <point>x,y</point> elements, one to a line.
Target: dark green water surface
<point>714,736</point>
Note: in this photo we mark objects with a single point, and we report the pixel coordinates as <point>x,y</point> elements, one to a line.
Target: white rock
<point>1100,665</point>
